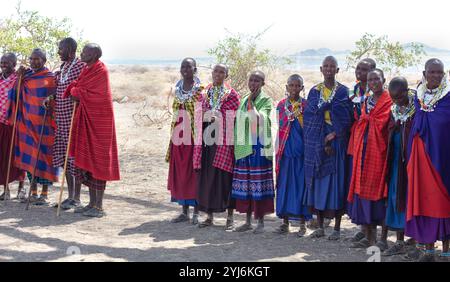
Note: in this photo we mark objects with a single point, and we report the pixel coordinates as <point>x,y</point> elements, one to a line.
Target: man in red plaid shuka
<point>69,71</point>
<point>214,153</point>
<point>93,140</point>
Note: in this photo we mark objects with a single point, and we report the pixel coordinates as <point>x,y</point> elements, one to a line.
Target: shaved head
<point>371,62</point>
<point>379,71</point>
<point>96,49</point>
<point>398,84</point>
<point>330,58</point>
<point>189,59</point>
<point>434,73</point>
<point>259,74</point>
<point>10,57</point>
<point>37,59</point>
<point>434,61</point>
<point>222,66</point>
<point>8,63</point>
<point>40,53</point>
<point>91,53</point>
<point>295,77</point>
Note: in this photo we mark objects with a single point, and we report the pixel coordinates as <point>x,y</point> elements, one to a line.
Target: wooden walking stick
<point>11,147</point>
<point>33,176</point>
<point>66,159</point>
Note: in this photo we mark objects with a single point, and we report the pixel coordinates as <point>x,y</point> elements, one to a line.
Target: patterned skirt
<point>253,177</point>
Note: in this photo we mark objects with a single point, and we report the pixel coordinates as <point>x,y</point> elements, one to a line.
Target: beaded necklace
<point>65,75</point>
<point>216,103</point>
<point>356,95</point>
<point>438,94</point>
<point>370,101</point>
<point>408,111</point>
<point>184,96</point>
<point>321,88</point>
<point>293,114</point>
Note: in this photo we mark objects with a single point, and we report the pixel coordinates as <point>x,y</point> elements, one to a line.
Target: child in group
<point>291,187</point>
<point>253,186</point>
<point>402,114</point>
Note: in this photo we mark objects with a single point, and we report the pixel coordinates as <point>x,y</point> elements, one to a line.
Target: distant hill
<point>320,52</point>
<point>427,49</point>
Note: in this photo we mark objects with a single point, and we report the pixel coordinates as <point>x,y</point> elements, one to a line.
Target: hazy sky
<point>171,29</point>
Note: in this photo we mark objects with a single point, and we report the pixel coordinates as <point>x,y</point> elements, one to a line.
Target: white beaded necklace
<point>438,94</point>
<point>408,112</point>
<point>217,104</point>
<point>184,96</point>
<point>65,75</point>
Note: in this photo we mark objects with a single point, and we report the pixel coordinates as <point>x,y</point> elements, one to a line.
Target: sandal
<point>73,204</point>
<point>2,196</point>
<point>181,218</point>
<point>362,244</point>
<point>33,199</point>
<point>259,229</point>
<point>83,209</point>
<point>413,255</point>
<point>208,222</point>
<point>69,204</point>
<point>427,257</point>
<point>94,212</point>
<point>22,194</point>
<point>194,220</point>
<point>230,224</point>
<point>243,228</point>
<point>302,231</point>
<point>283,229</point>
<point>41,201</point>
<point>358,237</point>
<point>64,202</point>
<point>382,245</point>
<point>318,233</point>
<point>410,242</point>
<point>397,249</point>
<point>336,235</point>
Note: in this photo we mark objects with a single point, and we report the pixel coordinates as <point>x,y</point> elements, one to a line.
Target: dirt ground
<point>137,226</point>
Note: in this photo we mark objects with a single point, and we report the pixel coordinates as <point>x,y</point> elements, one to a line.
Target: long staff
<point>33,176</point>
<point>66,159</point>
<point>11,146</point>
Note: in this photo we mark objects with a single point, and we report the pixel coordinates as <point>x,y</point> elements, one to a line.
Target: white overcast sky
<point>171,29</point>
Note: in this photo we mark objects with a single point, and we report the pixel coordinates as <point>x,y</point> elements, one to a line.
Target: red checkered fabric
<point>85,177</point>
<point>70,71</point>
<point>5,86</point>
<point>224,157</point>
<point>369,181</point>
